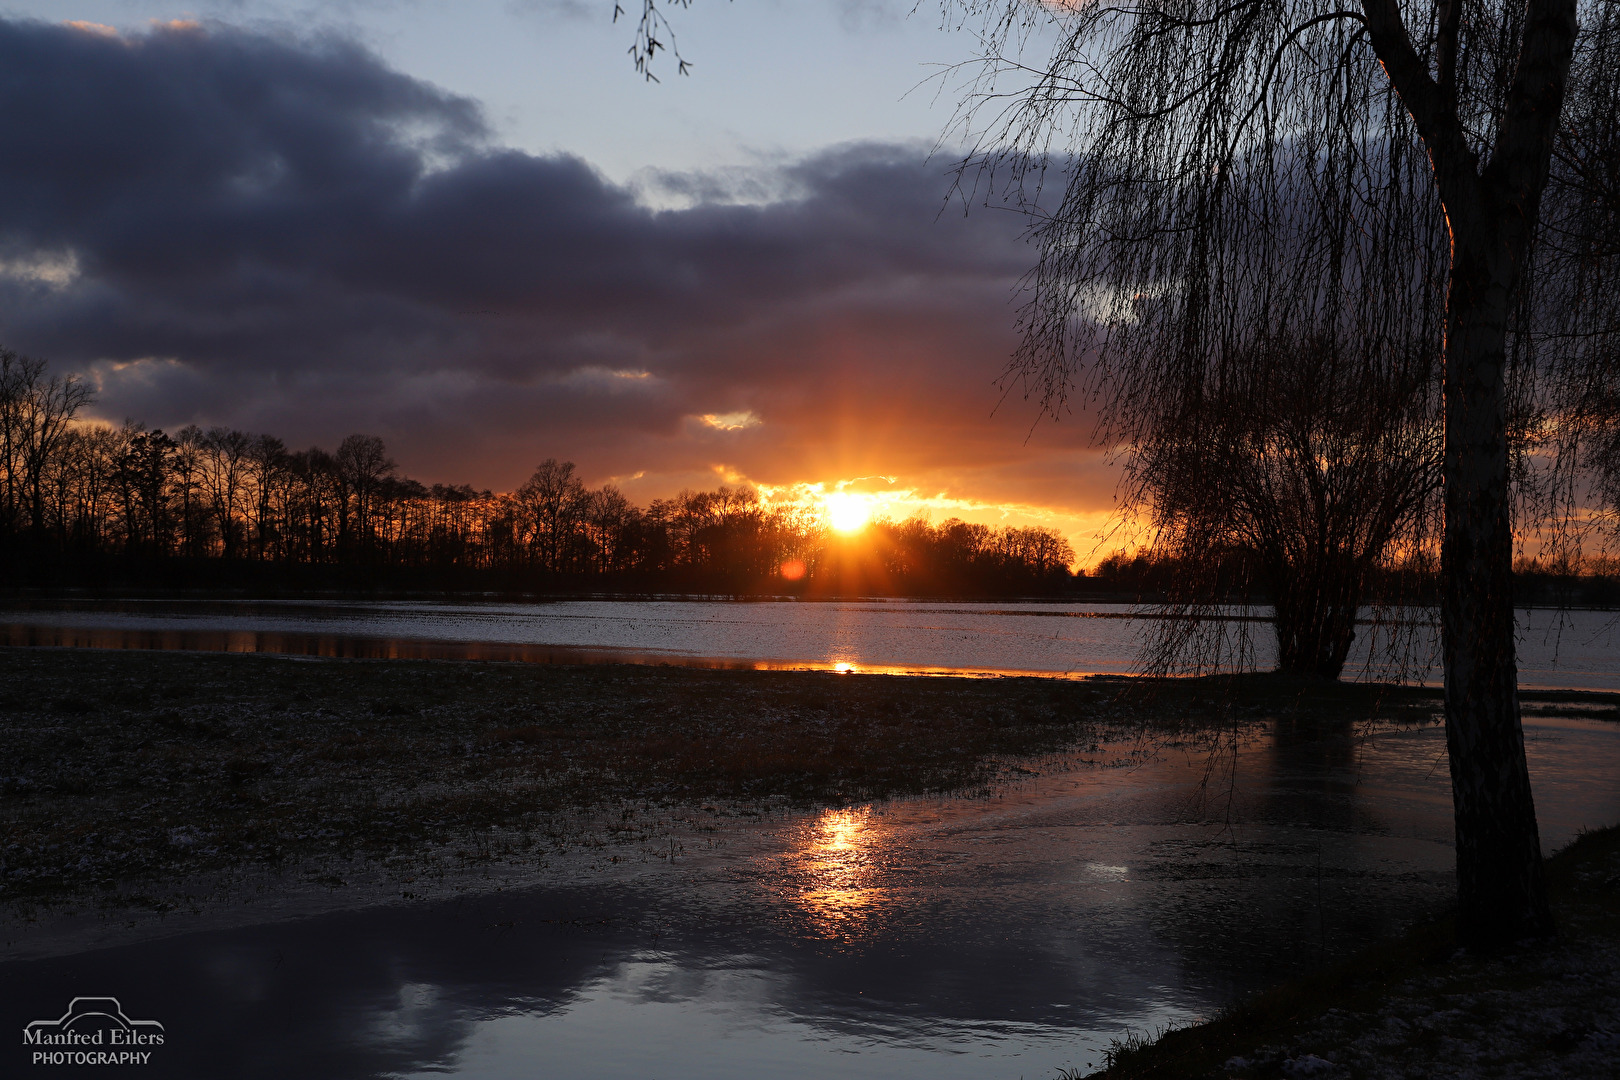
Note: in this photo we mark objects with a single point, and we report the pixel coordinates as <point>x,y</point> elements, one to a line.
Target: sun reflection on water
<point>835,864</point>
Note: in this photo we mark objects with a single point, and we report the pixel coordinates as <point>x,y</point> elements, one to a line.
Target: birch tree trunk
<point>1500,887</point>
<point>1491,210</point>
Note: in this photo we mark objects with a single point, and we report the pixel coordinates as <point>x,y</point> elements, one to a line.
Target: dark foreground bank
<point>1418,1007</point>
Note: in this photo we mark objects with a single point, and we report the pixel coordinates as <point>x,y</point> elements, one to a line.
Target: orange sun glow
<point>847,513</point>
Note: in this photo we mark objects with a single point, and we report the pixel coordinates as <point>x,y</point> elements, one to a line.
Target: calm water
<point>1575,650</point>
<point>986,938</point>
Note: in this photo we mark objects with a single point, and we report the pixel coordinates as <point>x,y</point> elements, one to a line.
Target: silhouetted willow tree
<point>1581,215</point>
<point>1297,472</point>
<point>1239,175</point>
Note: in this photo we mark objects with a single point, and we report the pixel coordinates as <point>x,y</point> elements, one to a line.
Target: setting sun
<point>848,513</point>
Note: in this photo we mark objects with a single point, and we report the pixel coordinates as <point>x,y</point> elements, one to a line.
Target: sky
<point>472,229</point>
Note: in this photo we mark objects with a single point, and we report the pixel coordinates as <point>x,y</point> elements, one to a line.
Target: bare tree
<point>654,32</point>
<point>1580,270</point>
<point>267,468</point>
<point>550,504</point>
<point>608,517</point>
<point>318,515</point>
<point>226,454</point>
<point>12,378</point>
<point>1297,471</point>
<point>187,474</point>
<point>1236,171</point>
<point>361,465</point>
<point>40,411</point>
<point>1041,550</point>
<point>143,480</point>
<point>80,485</point>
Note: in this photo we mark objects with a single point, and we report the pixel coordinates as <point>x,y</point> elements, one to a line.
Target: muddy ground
<point>124,776</point>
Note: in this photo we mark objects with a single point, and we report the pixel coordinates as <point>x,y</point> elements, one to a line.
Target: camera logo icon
<point>93,1031</point>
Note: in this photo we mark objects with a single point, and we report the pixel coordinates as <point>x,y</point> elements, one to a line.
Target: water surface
<point>971,937</point>
<point>1571,650</point>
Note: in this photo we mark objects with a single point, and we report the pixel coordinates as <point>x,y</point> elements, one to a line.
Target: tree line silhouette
<point>83,504</point>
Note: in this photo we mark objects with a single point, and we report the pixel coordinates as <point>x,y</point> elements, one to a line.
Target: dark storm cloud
<point>282,233</point>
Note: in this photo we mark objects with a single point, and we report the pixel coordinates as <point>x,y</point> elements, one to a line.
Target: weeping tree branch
<point>1392,199</point>
<point>654,32</point>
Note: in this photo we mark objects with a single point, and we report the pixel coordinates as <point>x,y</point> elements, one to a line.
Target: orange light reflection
<point>835,861</point>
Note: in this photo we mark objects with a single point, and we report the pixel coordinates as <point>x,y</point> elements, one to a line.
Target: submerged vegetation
<point>133,771</point>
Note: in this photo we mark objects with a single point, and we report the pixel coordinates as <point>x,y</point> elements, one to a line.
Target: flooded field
<point>1569,650</point>
<point>1121,888</point>
<point>1005,936</point>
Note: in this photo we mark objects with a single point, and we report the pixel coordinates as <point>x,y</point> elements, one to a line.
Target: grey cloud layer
<point>312,243</point>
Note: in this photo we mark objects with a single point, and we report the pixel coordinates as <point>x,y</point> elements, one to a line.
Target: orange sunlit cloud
<point>103,30</point>
<point>731,421</point>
